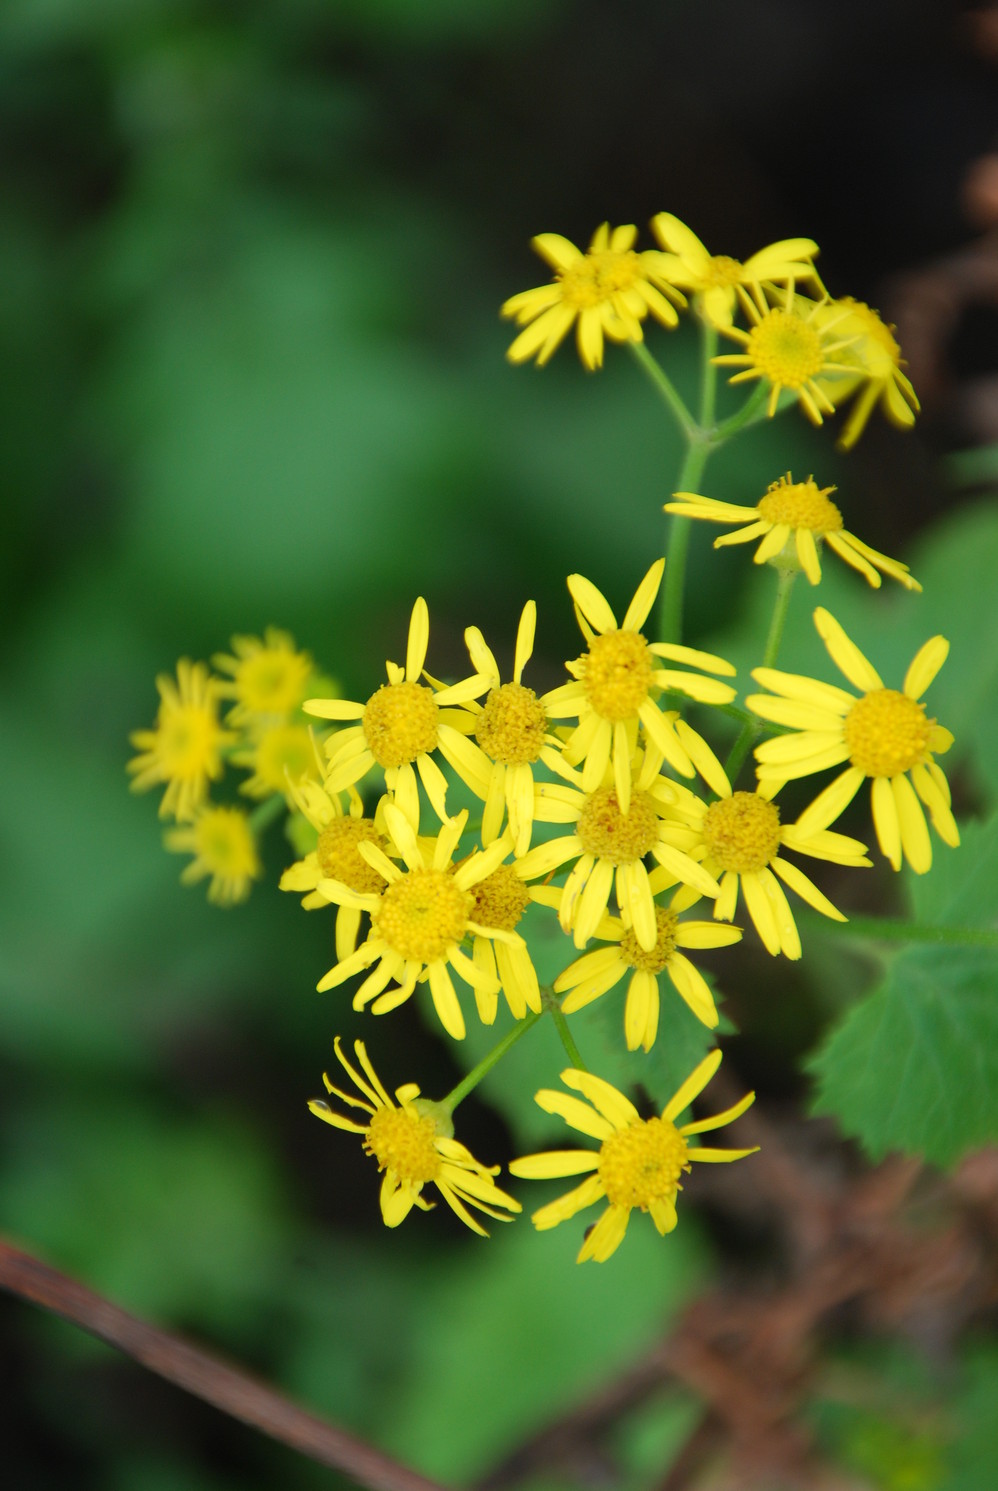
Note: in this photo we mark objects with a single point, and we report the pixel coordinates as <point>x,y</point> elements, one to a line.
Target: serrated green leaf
<point>962,890</point>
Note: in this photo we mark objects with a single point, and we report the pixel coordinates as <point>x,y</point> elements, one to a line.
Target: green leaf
<point>915,1065</point>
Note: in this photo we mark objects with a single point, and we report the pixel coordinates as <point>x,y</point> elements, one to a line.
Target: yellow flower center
<point>400,723</point>
<point>665,945</point>
<point>742,832</point>
<point>800,504</point>
<point>785,349</point>
<point>272,680</point>
<point>224,843</point>
<point>722,271</point>
<point>423,915</point>
<point>617,673</point>
<point>339,856</point>
<point>284,751</point>
<point>500,899</point>
<point>608,833</point>
<point>595,278</point>
<point>642,1163</point>
<point>887,733</point>
<point>512,725</point>
<point>404,1143</point>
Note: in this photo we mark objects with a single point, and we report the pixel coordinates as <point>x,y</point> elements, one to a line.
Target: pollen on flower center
<point>801,504</point>
<point>400,723</point>
<point>422,915</point>
<point>722,271</point>
<point>785,349</point>
<point>512,725</point>
<point>617,674</point>
<point>404,1143</point>
<point>500,899</point>
<point>887,733</point>
<point>338,853</point>
<point>742,832</point>
<point>608,833</point>
<point>654,961</point>
<point>642,1163</point>
<point>591,280</point>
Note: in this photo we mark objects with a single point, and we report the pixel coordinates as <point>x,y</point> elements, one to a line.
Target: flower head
<point>336,856</point>
<point>184,748</point>
<point>875,374</point>
<point>269,677</point>
<point>616,680</point>
<point>605,292</point>
<point>884,735</point>
<point>595,973</point>
<point>412,1141</point>
<point>713,279</point>
<point>639,1161</point>
<point>399,727</point>
<point>420,915</point>
<point>224,847</point>
<point>739,839</point>
<point>793,346</point>
<point>791,521</point>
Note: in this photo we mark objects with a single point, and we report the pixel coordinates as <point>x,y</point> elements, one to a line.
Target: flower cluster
<point>457,825</point>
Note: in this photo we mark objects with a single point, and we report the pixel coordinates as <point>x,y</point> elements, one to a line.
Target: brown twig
<point>206,1376</point>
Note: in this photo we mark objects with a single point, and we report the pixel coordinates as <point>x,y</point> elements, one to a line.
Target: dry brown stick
<point>204,1375</point>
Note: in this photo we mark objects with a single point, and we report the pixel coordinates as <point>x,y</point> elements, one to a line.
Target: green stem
<point>665,387</point>
<point>886,929</point>
<point>777,622</point>
<point>751,412</point>
<point>670,606</point>
<point>708,374</point>
<point>263,816</point>
<point>561,1025</point>
<point>470,1082</point>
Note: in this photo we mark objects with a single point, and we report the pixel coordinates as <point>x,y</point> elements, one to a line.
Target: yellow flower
<point>595,973</point>
<point>513,734</point>
<point>798,514</point>
<point>414,1145</point>
<point>280,757</point>
<point>738,838</point>
<point>336,856</point>
<point>639,1161</point>
<point>714,278</point>
<point>399,726</point>
<point>419,918</point>
<point>878,378</point>
<point>884,735</point>
<point>615,680</point>
<point>224,847</point>
<point>184,747</point>
<point>269,677</point>
<point>500,901</point>
<point>607,291</point>
<point>792,346</point>
<point>609,847</point>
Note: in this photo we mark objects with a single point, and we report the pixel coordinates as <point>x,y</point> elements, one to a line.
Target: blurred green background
<point>253,374</point>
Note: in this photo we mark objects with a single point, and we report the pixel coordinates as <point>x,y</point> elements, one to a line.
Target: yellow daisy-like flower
<point>224,847</point>
<point>792,520</point>
<point>713,278</point>
<point>280,757</point>
<point>878,379</point>
<point>513,733</point>
<point>336,856</point>
<point>420,915</point>
<point>595,973</point>
<point>738,838</point>
<point>639,1161</point>
<point>500,901</point>
<point>605,292</point>
<point>399,726</point>
<point>184,748</point>
<point>615,681</point>
<point>414,1145</point>
<point>792,346</point>
<point>269,677</point>
<point>609,847</point>
<point>884,735</point>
